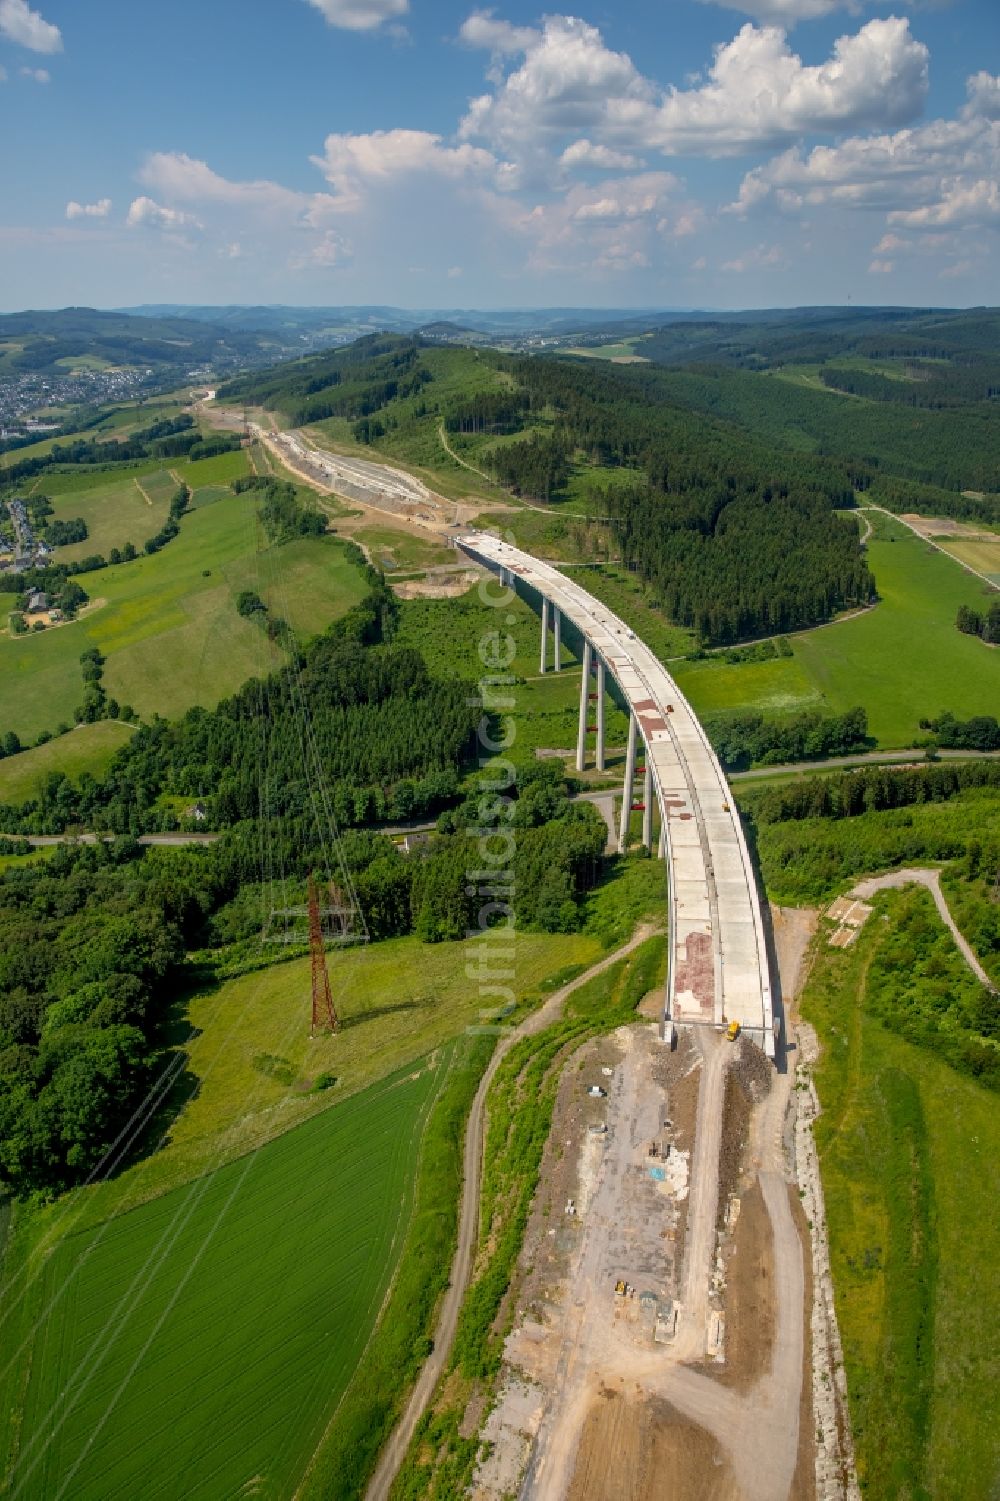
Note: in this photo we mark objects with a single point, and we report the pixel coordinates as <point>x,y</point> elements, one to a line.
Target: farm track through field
<point>475,1136</point>
<point>931,543</point>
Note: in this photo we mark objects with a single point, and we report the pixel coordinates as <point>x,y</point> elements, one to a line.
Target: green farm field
<point>251,1063</point>
<point>168,625</point>
<point>626,352</point>
<point>981,553</point>
<point>88,747</point>
<point>909,1152</point>
<point>197,1346</point>
<point>902,660</point>
<point>117,512</point>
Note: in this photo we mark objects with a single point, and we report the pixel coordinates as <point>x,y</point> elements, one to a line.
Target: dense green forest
<point>92,943</point>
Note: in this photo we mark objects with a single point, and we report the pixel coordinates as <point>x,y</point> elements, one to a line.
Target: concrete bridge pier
<point>557,633</point>
<point>629,789</point>
<point>647,810</point>
<point>545,634</point>
<point>599,752</point>
<point>581,733</point>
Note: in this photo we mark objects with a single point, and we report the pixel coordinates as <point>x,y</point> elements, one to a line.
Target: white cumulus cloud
<point>99,210</point>
<point>37,75</point>
<point>481,29</point>
<point>20,24</point>
<point>785,12</point>
<point>756,93</point>
<point>350,161</point>
<point>186,179</point>
<point>331,250</point>
<point>584,153</point>
<point>983,90</point>
<point>144,211</point>
<point>360,15</point>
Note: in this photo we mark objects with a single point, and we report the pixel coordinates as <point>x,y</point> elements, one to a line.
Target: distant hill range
<point>44,342</point>
<point>178,339</point>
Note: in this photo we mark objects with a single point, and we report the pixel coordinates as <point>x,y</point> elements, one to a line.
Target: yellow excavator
<point>733,1030</point>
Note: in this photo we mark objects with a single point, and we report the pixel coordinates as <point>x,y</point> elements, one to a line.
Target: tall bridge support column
<point>629,788</point>
<point>661,850</point>
<point>599,756</point>
<point>545,634</point>
<point>581,733</point>
<point>647,807</point>
<point>557,632</point>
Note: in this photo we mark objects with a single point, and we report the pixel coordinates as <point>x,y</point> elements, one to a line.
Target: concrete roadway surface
<point>758,1431</point>
<point>468,1229</point>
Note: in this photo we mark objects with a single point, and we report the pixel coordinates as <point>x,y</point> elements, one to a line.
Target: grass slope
<point>872,658</point>
<point>89,747</point>
<point>251,1061</point>
<point>116,511</point>
<point>198,1345</point>
<point>909,1152</point>
<point>905,659</point>
<point>168,623</point>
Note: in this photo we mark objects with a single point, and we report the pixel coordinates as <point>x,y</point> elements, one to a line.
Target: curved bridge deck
<point>718,967</point>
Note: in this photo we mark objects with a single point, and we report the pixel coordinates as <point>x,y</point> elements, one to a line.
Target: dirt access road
<point>468,1228</point>
<point>921,876</point>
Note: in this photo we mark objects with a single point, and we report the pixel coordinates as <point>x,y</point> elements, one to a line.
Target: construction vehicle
<point>621,1287</point>
<point>733,1030</point>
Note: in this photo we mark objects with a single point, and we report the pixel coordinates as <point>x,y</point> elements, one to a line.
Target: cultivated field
<point>118,508</point>
<point>981,553</point>
<point>198,1346</point>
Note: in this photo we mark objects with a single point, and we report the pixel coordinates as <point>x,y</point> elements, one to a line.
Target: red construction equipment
<point>638,807</point>
<point>323,1014</point>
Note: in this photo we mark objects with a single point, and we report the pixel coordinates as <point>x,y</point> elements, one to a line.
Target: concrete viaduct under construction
<point>717,969</point>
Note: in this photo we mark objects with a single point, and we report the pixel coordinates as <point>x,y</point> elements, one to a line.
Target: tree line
<point>982,623</point>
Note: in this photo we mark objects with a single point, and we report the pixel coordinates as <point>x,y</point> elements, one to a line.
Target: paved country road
<point>468,1228</point>
<point>863,758</point>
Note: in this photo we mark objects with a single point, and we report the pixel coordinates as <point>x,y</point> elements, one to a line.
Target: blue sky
<point>706,153</point>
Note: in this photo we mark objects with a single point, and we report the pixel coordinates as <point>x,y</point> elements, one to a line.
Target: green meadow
<point>908,1151</point>
<point>117,510</point>
<point>198,1345</point>
<point>208,1322</point>
<point>168,625</point>
<point>88,747</point>
<point>903,660</point>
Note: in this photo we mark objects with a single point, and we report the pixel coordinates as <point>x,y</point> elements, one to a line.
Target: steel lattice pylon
<point>323,1013</point>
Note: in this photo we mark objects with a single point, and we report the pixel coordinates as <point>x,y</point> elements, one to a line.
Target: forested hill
<point>738,536</point>
<point>36,341</point>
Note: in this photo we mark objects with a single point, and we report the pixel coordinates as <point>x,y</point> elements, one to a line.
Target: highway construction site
<point>669,1339</point>
<point>672,1332</point>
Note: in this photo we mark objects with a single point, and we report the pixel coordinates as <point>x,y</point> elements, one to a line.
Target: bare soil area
<point>750,1294</point>
<point>944,526</point>
<point>633,1449</point>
